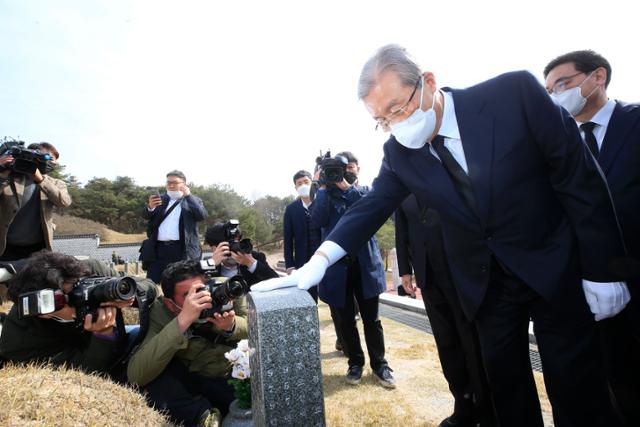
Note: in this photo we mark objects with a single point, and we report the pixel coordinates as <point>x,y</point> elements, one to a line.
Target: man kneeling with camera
<point>60,316</point>
<point>181,363</point>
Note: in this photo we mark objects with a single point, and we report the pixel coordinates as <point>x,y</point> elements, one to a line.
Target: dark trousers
<point>458,350</point>
<point>186,396</point>
<point>567,342</point>
<point>373,333</point>
<point>620,346</point>
<point>166,253</point>
<point>13,252</point>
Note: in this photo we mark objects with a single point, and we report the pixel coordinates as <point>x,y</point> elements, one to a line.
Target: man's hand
<point>37,176</point>
<point>119,304</point>
<point>154,201</point>
<point>245,259</point>
<point>221,253</point>
<point>224,321</point>
<point>343,185</point>
<point>193,305</point>
<point>606,299</point>
<point>185,190</point>
<point>307,276</point>
<point>105,321</point>
<point>408,285</point>
<point>5,161</point>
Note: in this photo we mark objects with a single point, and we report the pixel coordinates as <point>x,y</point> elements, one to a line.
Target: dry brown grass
<point>38,396</point>
<point>69,224</point>
<point>422,396</point>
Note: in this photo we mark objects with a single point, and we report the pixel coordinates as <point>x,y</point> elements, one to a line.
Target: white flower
<point>233,355</point>
<point>243,345</point>
<point>241,372</point>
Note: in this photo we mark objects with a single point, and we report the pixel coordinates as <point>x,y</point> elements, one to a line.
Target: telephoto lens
<point>223,291</point>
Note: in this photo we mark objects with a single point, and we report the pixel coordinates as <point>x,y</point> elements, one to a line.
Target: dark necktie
<point>459,177</point>
<point>590,138</point>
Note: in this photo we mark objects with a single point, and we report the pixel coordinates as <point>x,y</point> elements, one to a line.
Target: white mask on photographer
<point>572,99</point>
<point>174,194</point>
<point>414,131</point>
<point>304,190</point>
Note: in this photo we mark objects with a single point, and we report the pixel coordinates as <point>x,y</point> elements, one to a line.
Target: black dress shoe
<point>454,421</point>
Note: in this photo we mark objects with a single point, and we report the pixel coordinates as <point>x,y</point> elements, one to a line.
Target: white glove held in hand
<point>606,299</point>
<point>306,277</point>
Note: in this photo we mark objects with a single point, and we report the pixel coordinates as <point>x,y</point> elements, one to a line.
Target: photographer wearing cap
<point>27,198</point>
<point>234,255</point>
<point>181,363</point>
<point>90,343</point>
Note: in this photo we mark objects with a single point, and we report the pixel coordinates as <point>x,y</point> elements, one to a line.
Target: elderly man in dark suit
<point>420,251</point>
<point>611,129</point>
<point>527,224</point>
<point>173,226</point>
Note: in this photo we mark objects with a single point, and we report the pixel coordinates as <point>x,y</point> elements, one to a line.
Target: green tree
<point>386,237</point>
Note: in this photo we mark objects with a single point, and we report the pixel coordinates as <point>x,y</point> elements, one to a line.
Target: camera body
<point>233,235</point>
<point>331,169</point>
<point>90,292</point>
<point>223,291</point>
<point>25,161</point>
<point>86,297</point>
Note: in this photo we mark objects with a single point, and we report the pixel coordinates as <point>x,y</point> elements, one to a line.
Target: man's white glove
<point>310,274</point>
<point>307,276</point>
<point>5,275</point>
<point>606,299</point>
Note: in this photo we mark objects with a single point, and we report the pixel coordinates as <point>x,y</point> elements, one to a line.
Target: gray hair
<point>391,57</point>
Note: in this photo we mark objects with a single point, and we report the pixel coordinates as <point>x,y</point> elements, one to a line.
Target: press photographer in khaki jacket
<point>27,201</point>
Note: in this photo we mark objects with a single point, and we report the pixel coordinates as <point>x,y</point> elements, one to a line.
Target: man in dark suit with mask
<point>527,224</point>
<point>611,129</point>
<point>420,252</point>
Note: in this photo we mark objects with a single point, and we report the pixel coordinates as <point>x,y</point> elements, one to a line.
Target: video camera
<point>223,291</point>
<point>25,161</point>
<point>232,235</point>
<point>86,297</point>
<point>332,170</point>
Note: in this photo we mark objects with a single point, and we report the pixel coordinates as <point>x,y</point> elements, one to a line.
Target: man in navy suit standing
<point>300,240</point>
<point>611,129</point>
<point>173,225</point>
<point>527,224</point>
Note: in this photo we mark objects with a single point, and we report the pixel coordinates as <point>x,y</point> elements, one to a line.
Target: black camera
<point>86,297</point>
<point>223,291</point>
<point>233,235</point>
<point>25,161</point>
<point>90,292</point>
<point>331,169</point>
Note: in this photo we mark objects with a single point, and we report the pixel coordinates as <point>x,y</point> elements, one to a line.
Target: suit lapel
<point>617,130</point>
<point>476,134</point>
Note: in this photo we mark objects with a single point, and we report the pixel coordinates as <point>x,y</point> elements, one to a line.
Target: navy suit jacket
<point>619,159</point>
<point>326,211</point>
<point>419,245</point>
<point>543,207</point>
<point>192,211</point>
<point>300,239</point>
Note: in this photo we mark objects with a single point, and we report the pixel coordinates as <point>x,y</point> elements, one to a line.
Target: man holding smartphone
<point>172,227</point>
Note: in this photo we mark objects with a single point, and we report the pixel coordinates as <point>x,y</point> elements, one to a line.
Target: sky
<point>245,93</point>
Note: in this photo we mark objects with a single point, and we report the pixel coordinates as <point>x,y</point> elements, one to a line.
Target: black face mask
<point>350,177</point>
<point>48,168</point>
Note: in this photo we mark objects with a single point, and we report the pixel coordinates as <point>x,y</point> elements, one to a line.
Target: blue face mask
<point>414,131</point>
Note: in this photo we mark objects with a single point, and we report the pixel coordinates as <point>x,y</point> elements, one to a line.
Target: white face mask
<point>414,131</point>
<point>304,190</point>
<point>174,194</point>
<point>572,99</point>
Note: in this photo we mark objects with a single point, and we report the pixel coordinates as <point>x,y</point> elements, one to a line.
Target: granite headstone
<point>286,376</point>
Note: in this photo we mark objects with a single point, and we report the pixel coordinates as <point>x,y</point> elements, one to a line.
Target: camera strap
<point>154,227</point>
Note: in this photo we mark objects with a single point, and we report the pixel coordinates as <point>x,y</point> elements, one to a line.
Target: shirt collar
<point>603,115</point>
<point>449,125</point>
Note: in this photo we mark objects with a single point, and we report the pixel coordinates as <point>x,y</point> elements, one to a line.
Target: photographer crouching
<point>60,316</point>
<point>181,363</point>
<point>27,197</point>
<point>234,255</point>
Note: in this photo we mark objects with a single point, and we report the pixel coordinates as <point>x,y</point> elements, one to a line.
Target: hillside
<point>69,224</point>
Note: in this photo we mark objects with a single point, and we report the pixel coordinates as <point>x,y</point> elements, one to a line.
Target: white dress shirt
<point>601,119</point>
<point>170,227</point>
<point>451,133</point>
